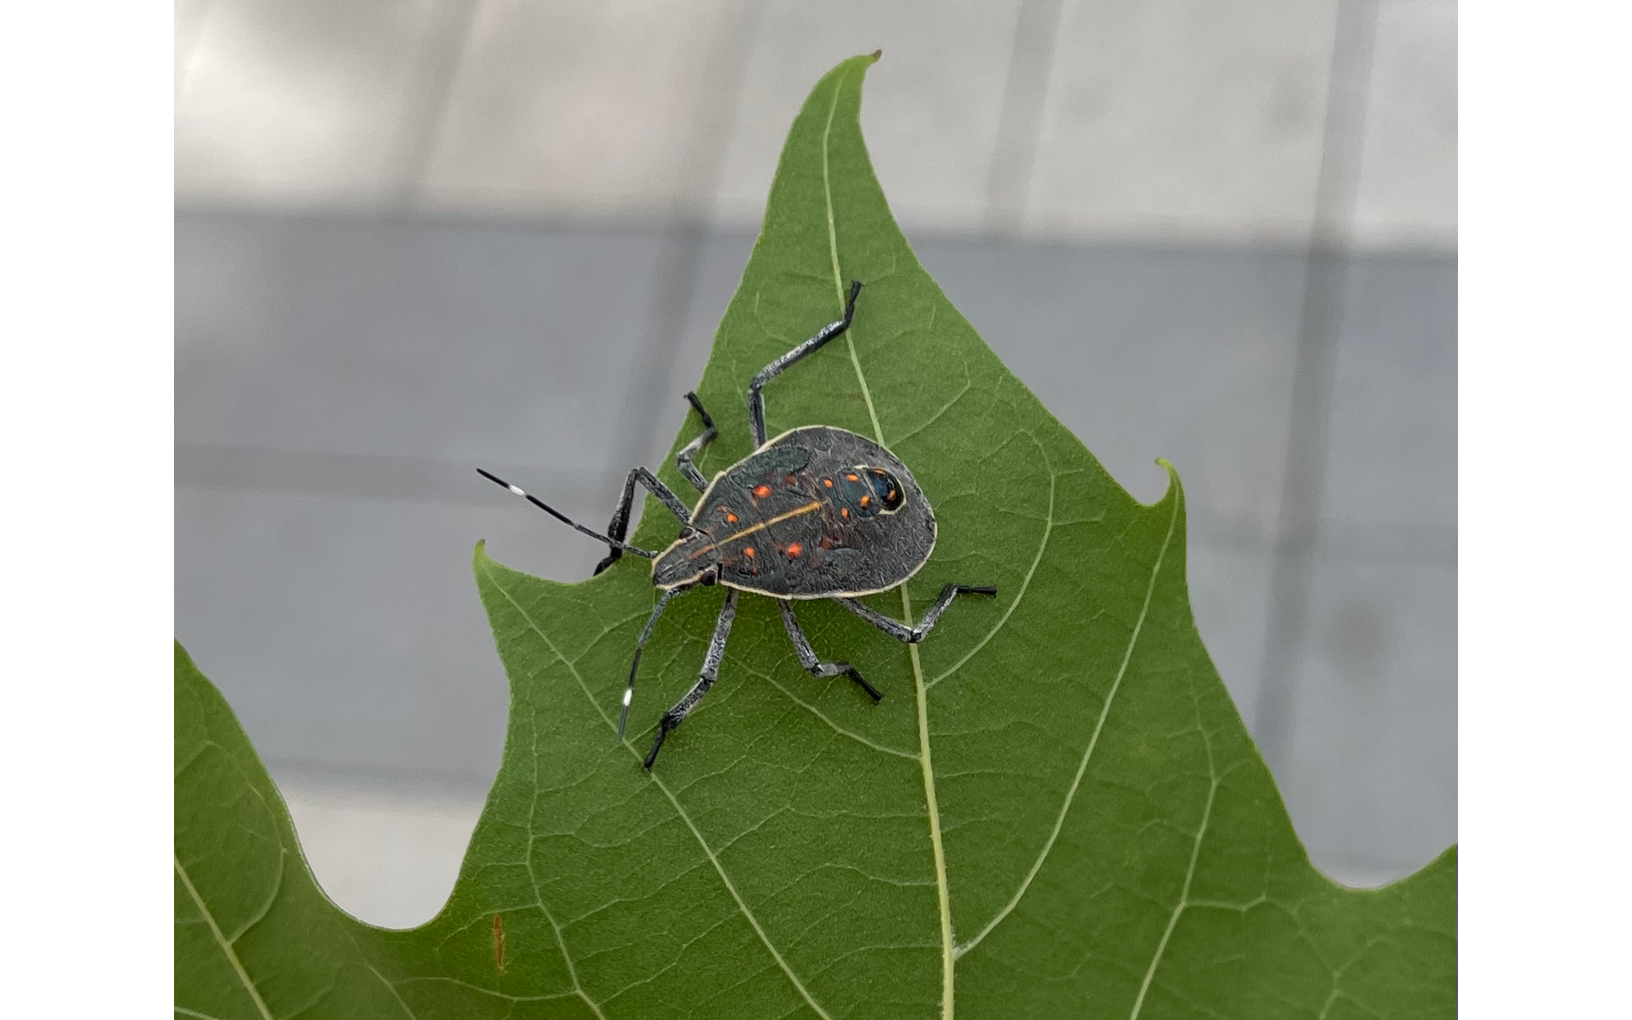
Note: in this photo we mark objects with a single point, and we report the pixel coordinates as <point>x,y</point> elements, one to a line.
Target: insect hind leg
<point>683,459</point>
<point>913,635</point>
<point>705,679</point>
<point>813,663</point>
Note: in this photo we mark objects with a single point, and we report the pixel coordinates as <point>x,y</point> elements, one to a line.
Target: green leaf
<point>1054,812</point>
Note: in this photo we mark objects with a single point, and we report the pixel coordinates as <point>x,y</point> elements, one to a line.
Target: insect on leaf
<point>1054,812</point>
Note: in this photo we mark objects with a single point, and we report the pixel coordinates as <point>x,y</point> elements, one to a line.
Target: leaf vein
<point>813,710</point>
<point>221,940</point>
<point>967,386</point>
<point>1190,872</point>
<point>673,801</point>
<point>1093,741</point>
<point>487,991</point>
<point>538,890</point>
<point>388,985</point>
<point>1025,583</point>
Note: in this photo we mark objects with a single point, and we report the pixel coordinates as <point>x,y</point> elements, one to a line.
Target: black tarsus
<point>663,728</point>
<point>813,663</point>
<point>705,678</point>
<point>640,647</point>
<point>683,460</point>
<point>913,635</point>
<point>708,419</point>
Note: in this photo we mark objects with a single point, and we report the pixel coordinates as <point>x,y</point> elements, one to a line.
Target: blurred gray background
<point>415,236</point>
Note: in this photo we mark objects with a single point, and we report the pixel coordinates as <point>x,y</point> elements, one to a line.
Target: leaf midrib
<point>951,952</point>
<point>943,892</point>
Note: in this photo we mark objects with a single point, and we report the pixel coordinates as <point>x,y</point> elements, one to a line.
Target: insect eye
<point>687,532</point>
<point>709,577</point>
<point>886,489</point>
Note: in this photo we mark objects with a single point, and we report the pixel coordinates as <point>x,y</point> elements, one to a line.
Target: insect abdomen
<point>816,512</point>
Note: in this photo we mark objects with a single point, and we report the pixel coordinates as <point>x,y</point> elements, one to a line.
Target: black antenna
<point>563,518</point>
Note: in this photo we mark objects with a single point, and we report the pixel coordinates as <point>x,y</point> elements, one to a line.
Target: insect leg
<point>711,669</point>
<point>620,517</point>
<point>913,635</point>
<point>618,545</point>
<point>640,646</point>
<point>756,402</point>
<point>807,655</point>
<point>682,460</point>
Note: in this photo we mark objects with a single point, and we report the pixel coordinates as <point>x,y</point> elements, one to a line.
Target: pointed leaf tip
<point>1175,486</point>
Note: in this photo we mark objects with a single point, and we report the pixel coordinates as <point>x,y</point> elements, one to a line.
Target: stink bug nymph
<point>816,513</point>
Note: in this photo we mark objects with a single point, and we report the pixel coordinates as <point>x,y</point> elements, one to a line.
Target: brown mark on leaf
<point>498,942</point>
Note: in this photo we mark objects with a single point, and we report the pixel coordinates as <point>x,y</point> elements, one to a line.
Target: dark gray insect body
<point>816,513</point>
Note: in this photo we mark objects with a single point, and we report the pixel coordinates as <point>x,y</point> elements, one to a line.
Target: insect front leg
<point>640,649</point>
<point>756,402</point>
<point>808,658</point>
<point>913,635</point>
<point>711,669</point>
<point>620,517</point>
<point>683,459</point>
